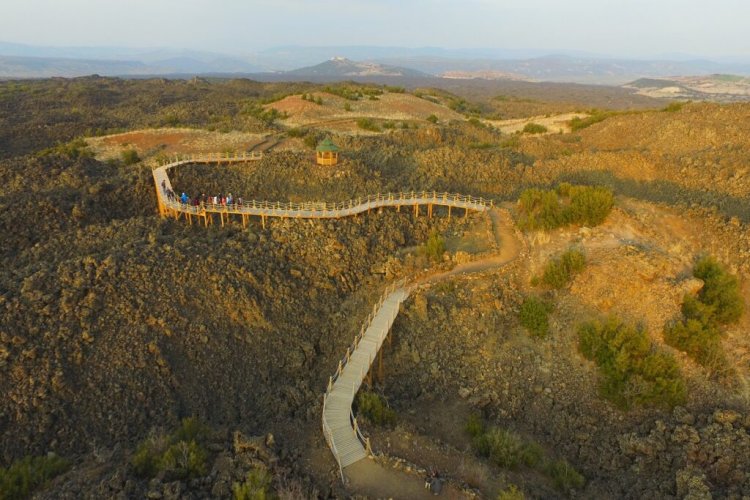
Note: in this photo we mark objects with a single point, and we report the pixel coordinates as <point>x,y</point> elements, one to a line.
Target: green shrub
<point>633,371</point>
<point>534,128</point>
<point>368,124</point>
<point>589,205</point>
<point>564,476</point>
<point>256,486</point>
<point>347,106</point>
<point>718,302</point>
<point>511,142</point>
<point>720,291</point>
<point>432,119</point>
<point>512,493</point>
<point>75,149</point>
<point>673,107</point>
<point>434,247</point>
<point>595,116</point>
<point>504,448</point>
<point>311,141</point>
<point>559,271</point>
<point>699,339</point>
<point>474,426</point>
<point>24,476</point>
<point>184,460</point>
<point>296,132</point>
<point>533,316</point>
<point>130,156</point>
<point>508,450</point>
<point>541,209</point>
<point>375,409</point>
<point>181,454</point>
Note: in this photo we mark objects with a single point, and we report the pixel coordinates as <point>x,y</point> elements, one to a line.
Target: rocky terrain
<point>115,323</point>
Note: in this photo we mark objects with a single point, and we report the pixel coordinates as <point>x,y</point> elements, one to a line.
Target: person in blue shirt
<point>184,199</point>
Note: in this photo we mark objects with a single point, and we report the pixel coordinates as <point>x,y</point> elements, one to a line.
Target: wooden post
<point>449,212</point>
<point>381,376</point>
<point>416,210</point>
<point>429,210</point>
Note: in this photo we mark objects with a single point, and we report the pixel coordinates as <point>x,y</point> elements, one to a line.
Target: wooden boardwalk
<point>339,424</point>
<point>205,212</point>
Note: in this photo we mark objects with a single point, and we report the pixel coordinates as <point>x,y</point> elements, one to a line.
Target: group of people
<point>202,200</point>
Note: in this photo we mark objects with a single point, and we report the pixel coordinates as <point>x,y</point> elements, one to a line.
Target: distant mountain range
<point>341,67</point>
<point>299,63</point>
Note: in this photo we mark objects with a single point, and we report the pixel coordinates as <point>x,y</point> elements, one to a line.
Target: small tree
<point>533,316</point>
<point>534,128</point>
<point>432,119</point>
<point>130,156</point>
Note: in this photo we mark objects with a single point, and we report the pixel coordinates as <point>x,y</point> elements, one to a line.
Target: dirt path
<point>374,480</point>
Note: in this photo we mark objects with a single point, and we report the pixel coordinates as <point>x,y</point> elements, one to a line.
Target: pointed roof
<point>327,145</point>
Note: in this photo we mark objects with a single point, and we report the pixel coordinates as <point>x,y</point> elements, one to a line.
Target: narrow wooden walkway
<point>307,210</point>
<point>339,424</point>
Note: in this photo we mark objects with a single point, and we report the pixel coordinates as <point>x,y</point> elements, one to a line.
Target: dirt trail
<point>374,480</point>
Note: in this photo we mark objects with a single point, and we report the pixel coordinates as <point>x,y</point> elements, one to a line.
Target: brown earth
<point>389,106</point>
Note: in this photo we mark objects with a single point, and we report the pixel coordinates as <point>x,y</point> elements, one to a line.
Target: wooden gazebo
<point>327,153</point>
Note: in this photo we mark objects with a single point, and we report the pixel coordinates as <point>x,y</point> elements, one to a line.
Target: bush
<point>505,448</point>
<point>434,247</point>
<point>26,475</point>
<point>512,493</point>
<point>673,107</point>
<point>633,371</point>
<point>432,119</point>
<point>474,426</point>
<point>564,476</point>
<point>372,407</point>
<point>183,460</point>
<point>559,271</point>
<point>181,455</point>
<point>256,486</point>
<point>533,316</point>
<point>595,116</point>
<point>130,156</point>
<point>296,132</point>
<point>718,302</point>
<point>720,291</point>
<point>368,124</point>
<point>534,128</point>
<point>540,209</point>
<point>699,339</point>
<point>347,106</point>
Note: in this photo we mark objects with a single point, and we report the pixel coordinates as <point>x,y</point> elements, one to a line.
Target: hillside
<point>720,88</point>
<point>341,68</point>
<point>341,113</point>
<point>117,324</point>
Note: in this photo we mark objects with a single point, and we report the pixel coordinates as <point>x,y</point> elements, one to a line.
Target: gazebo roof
<point>327,145</point>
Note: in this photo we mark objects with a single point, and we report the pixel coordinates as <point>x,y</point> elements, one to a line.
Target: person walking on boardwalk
<point>184,198</point>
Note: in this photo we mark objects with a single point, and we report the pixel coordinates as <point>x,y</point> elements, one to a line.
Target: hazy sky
<point>617,27</point>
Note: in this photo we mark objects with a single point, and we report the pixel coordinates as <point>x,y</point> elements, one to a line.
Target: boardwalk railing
<point>339,423</point>
<point>308,210</point>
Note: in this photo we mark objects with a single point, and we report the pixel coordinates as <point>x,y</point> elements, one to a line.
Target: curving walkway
<point>339,424</point>
<point>306,210</point>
